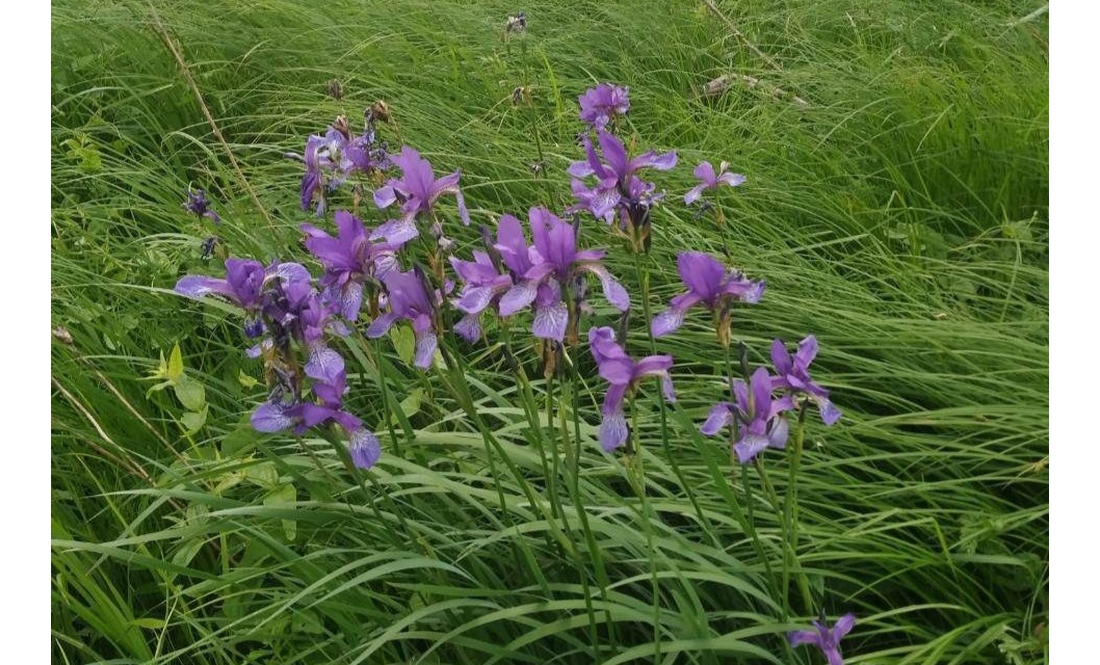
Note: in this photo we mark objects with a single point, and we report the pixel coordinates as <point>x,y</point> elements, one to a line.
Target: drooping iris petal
<point>272,417</point>
<point>365,448</point>
<point>720,416</point>
<point>426,344</point>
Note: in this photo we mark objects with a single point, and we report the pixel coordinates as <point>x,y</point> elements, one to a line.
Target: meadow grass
<point>901,217</point>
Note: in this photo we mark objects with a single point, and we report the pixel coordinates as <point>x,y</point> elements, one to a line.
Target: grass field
<point>899,214</point>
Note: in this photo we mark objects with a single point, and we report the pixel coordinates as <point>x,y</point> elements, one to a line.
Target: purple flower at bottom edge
<point>762,424</point>
<point>600,103</point>
<point>824,638</point>
<point>794,375</point>
<point>711,180</point>
<point>709,284</point>
<point>623,373</point>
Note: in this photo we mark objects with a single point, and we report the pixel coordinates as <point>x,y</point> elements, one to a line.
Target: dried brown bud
<point>335,90</point>
<point>63,335</point>
<point>380,111</point>
<point>341,125</point>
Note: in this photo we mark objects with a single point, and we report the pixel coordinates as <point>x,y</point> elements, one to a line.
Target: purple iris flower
<point>794,376</point>
<point>710,180</point>
<point>339,154</point>
<point>407,297</point>
<point>824,638</point>
<point>760,417</point>
<point>617,187</point>
<point>349,260</point>
<point>244,280</point>
<point>555,262</point>
<point>329,387</point>
<point>417,191</point>
<point>599,104</point>
<point>197,204</point>
<point>624,374</point>
<point>709,284</point>
<point>313,180</point>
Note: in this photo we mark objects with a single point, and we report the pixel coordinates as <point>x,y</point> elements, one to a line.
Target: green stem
<point>530,105</point>
<point>790,510</point>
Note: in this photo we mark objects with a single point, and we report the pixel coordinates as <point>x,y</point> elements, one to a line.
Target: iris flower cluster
<point>334,157</point>
<point>292,321</point>
<point>292,318</point>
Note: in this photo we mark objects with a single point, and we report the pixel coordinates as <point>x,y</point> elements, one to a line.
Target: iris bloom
<point>599,104</point>
<point>349,259</point>
<point>762,424</point>
<point>554,262</point>
<point>340,155</point>
<point>624,374</point>
<point>197,204</point>
<point>824,638</point>
<point>710,180</point>
<point>244,280</point>
<point>794,376</point>
<point>417,190</point>
<point>617,186</point>
<point>329,387</point>
<point>407,297</point>
<point>709,284</point>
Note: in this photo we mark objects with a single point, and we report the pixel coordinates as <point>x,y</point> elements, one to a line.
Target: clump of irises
<point>406,272</point>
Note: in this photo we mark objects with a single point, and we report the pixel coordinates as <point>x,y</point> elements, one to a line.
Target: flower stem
<point>790,510</point>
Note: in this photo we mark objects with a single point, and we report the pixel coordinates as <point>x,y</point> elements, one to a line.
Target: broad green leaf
<point>190,393</point>
<point>194,420</point>
<point>404,343</point>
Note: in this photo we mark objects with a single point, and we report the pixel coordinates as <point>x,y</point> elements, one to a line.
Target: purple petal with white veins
<point>425,349</point>
<point>731,179</point>
<point>667,389</point>
<point>324,364</point>
<point>381,325</point>
<point>667,322</point>
<point>384,196</point>
<point>518,297</point>
<point>474,300</point>
<point>749,447</point>
<point>804,637</point>
<point>829,413</point>
<point>271,417</point>
<point>721,415</point>
<point>693,194</point>
<point>397,231</point>
<point>777,437</point>
<point>365,448</point>
<point>613,431</point>
<point>469,327</point>
<point>612,289</point>
<point>197,286</point>
<point>551,321</point>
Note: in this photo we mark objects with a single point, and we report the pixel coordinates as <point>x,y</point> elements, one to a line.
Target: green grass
<point>901,218</point>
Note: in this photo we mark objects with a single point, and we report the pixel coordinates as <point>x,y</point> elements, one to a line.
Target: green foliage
<point>900,217</point>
